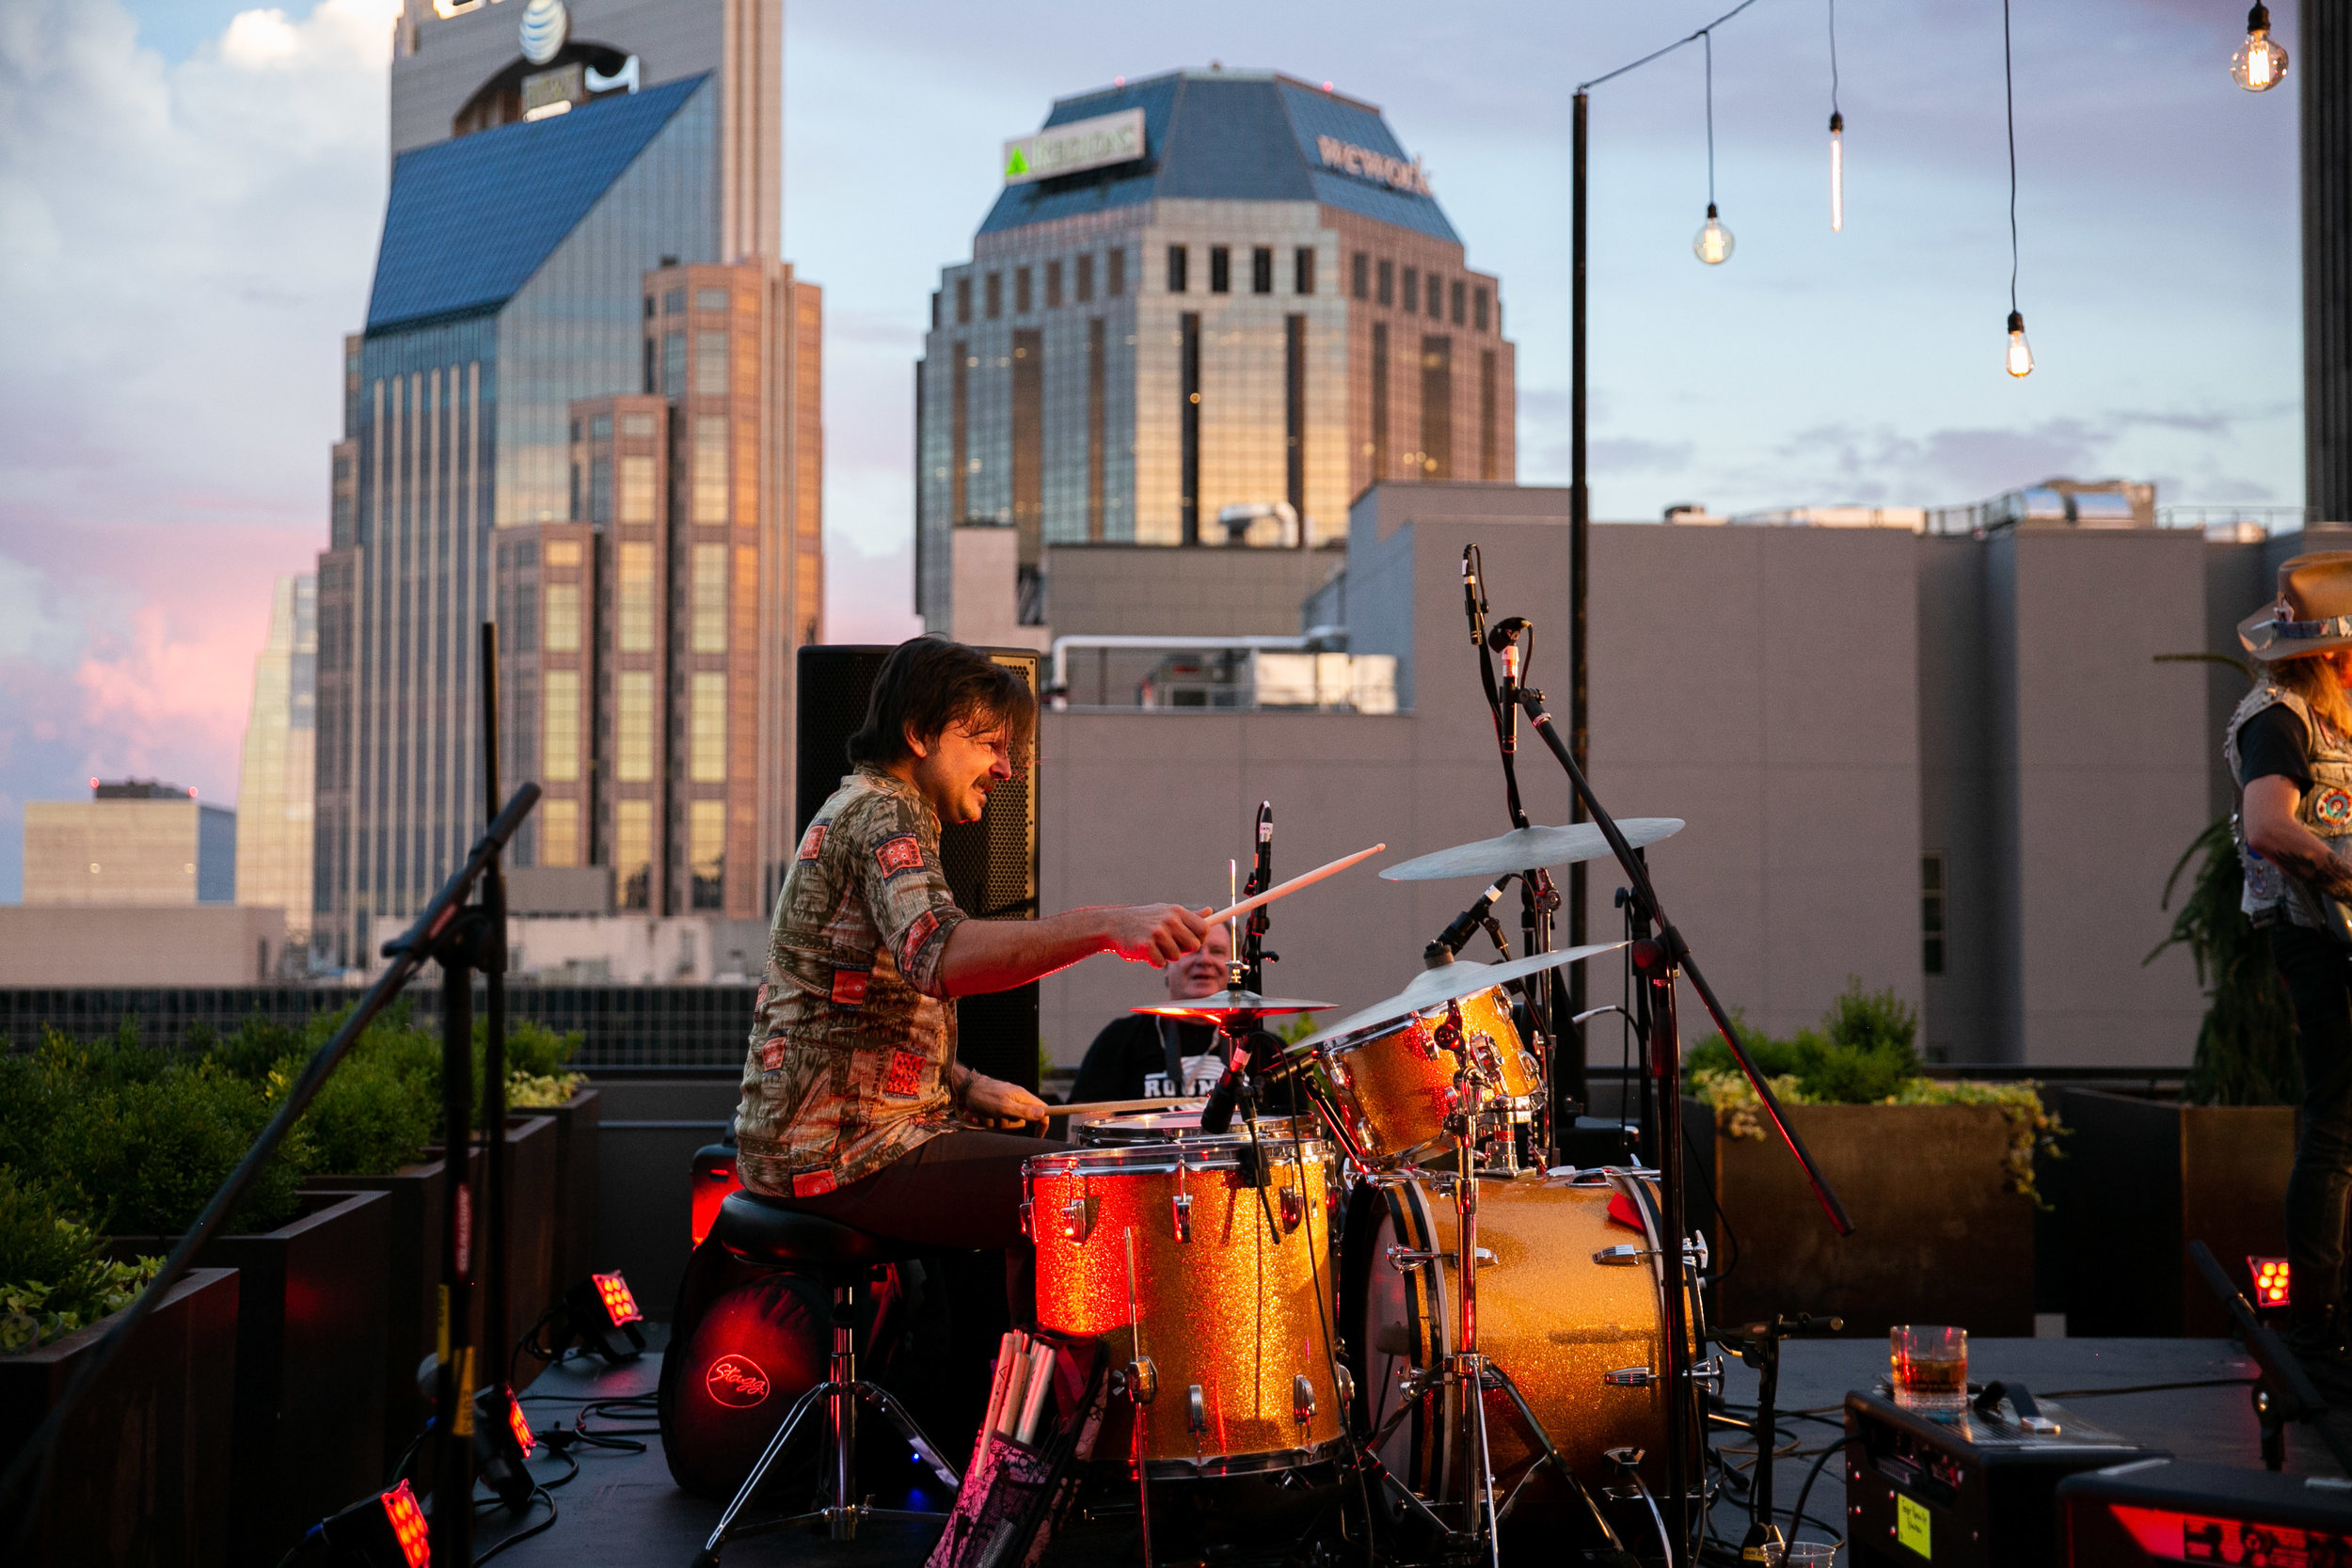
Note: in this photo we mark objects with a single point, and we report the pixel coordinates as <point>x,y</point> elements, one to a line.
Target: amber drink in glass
<point>1928,1367</point>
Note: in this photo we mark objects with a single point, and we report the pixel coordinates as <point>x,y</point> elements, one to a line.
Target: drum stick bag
<point>1015,1494</point>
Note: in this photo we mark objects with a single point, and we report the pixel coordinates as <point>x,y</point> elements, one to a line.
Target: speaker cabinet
<point>990,865</point>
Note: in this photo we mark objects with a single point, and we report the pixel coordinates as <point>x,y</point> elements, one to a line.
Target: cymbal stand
<point>1468,1371</point>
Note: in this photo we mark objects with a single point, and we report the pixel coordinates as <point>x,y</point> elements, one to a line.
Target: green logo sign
<point>1911,1526</point>
<point>1017,166</point>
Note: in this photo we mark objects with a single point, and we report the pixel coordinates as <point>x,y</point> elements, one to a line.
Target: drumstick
<point>1285,890</point>
<point>1111,1107</point>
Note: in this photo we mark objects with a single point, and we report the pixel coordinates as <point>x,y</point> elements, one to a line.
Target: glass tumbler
<point>1928,1367</point>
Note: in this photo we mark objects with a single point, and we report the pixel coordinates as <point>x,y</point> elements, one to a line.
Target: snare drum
<point>1230,1244</point>
<point>1395,1084</point>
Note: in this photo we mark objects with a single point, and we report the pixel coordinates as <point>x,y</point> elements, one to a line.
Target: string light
<point>1836,136</point>
<point>2259,64</point>
<point>2019,361</point>
<point>1712,245</point>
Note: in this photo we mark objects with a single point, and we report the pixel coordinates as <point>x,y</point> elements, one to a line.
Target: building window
<point>958,433</point>
<point>558,832</point>
<point>1437,407</point>
<point>710,632</point>
<point>1412,289</point>
<point>706,851</point>
<point>633,727</point>
<point>710,364</point>
<point>1436,297</point>
<point>1458,293</point>
<point>1086,278</point>
<point>635,631</point>
<point>637,424</point>
<point>558,629</point>
<point>1022,304</point>
<point>672,301</point>
<point>1028,440</point>
<point>600,427</point>
<point>1262,270</point>
<point>711,299</point>
<point>706,734</point>
<point>1378,450</point>
<point>561,552</point>
<point>1220,269</point>
<point>674,364</point>
<point>1189,417</point>
<point>1094,427</point>
<point>1931,887</point>
<point>964,301</point>
<point>1360,284</point>
<point>935,309</point>
<point>1294,416</point>
<point>1478,308</point>
<point>1177,259</point>
<point>651,383</point>
<point>599,490</point>
<point>1303,270</point>
<point>994,294</point>
<point>1388,282</point>
<point>1052,285</point>
<point>711,468</point>
<point>1115,272</point>
<point>559,725</point>
<point>637,488</point>
<point>633,853</point>
<point>1487,415</point>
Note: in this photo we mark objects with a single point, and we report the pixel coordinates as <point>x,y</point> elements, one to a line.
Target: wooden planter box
<point>142,1477</point>
<point>1938,1237</point>
<point>308,1428</point>
<point>2147,1177</point>
<point>577,1123</point>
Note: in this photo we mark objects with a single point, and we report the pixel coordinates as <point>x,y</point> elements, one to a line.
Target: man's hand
<point>1155,934</point>
<point>986,1098</point>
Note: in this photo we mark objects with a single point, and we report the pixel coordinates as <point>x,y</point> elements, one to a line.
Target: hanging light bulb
<point>2259,64</point>
<point>1836,172</point>
<point>2020,354</point>
<point>1713,243</point>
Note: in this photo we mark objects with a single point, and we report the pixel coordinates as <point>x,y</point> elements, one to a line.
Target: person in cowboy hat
<point>2290,747</point>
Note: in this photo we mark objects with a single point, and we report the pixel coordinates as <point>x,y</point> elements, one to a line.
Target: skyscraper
<point>585,404</point>
<point>275,782</point>
<point>1208,306</point>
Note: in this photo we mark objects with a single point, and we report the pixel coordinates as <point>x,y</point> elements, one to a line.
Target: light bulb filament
<point>2020,359</point>
<point>1836,173</point>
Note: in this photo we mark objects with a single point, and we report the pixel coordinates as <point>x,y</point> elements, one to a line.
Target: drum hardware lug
<point>1302,1400</point>
<point>1140,1380</point>
<point>1709,1375</point>
<point>1180,1211</point>
<point>1195,1411</point>
<point>1405,1260</point>
<point>1077,1218</point>
<point>1624,1255</point>
<point>1027,1228</point>
<point>1695,1247</point>
<point>1293,1208</point>
<point>1346,1384</point>
<point>1629,1377</point>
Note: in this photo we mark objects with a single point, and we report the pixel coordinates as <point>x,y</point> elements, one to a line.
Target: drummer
<point>854,1105</point>
<point>1138,1055</point>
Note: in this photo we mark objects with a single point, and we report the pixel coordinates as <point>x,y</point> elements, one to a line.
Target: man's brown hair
<point>927,683</point>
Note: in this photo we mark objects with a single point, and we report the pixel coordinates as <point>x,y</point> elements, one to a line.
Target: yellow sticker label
<point>1911,1526</point>
<point>462,1425</point>
<point>441,1338</point>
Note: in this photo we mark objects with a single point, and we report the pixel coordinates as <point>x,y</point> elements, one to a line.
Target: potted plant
<point>1936,1174</point>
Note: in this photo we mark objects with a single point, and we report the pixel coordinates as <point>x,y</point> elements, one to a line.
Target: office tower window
<point>558,832</point>
<point>651,383</point>
<point>1437,407</point>
<point>1379,452</point>
<point>1436,299</point>
<point>561,552</point>
<point>1262,270</point>
<point>935,309</point>
<point>706,851</point>
<point>1294,416</point>
<point>1360,284</point>
<point>1388,282</point>
<point>709,633</point>
<point>1412,288</point>
<point>1220,269</point>
<point>558,629</point>
<point>1094,428</point>
<point>635,630</point>
<point>637,488</point>
<point>599,490</point>
<point>1084,279</point>
<point>632,727</point>
<point>711,468</point>
<point>1178,260</point>
<point>1478,308</point>
<point>959,433</point>
<point>994,293</point>
<point>672,301</point>
<point>558,727</point>
<point>1459,292</point>
<point>1020,301</point>
<point>674,364</point>
<point>1052,285</point>
<point>1028,441</point>
<point>1931,888</point>
<point>964,302</point>
<point>633,853</point>
<point>1188,410</point>
<point>1303,270</point>
<point>710,364</point>
<point>1115,271</point>
<point>637,424</point>
<point>707,728</point>
<point>711,299</point>
<point>600,428</point>
<point>1487,415</point>
<point>649,310</point>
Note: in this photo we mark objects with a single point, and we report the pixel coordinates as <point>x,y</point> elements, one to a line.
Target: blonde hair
<point>2312,677</point>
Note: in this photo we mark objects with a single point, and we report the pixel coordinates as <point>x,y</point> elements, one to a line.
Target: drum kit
<point>1379,1281</point>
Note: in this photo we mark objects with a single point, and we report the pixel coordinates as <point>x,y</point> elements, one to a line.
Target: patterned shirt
<point>854,1037</point>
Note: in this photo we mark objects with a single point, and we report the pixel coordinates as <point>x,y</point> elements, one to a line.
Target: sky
<point>191,191</point>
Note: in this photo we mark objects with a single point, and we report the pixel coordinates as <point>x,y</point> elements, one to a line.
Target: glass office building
<point>1209,307</point>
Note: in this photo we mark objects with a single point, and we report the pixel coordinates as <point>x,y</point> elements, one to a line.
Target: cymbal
<point>1229,1004</point>
<point>1525,848</point>
<point>1434,988</point>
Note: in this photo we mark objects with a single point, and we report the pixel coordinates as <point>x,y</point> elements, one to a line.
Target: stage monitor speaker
<point>990,865</point>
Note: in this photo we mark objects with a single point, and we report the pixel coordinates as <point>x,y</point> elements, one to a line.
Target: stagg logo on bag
<point>736,1381</point>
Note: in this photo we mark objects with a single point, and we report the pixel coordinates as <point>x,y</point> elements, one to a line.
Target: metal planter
<point>577,1123</point>
<point>141,1478</point>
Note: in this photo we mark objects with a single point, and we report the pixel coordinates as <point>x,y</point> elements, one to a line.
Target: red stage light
<point>619,1304</point>
<point>714,1179</point>
<point>2270,1280</point>
<point>520,1428</point>
<point>408,1528</point>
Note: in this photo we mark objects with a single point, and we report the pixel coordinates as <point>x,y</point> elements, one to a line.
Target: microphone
<point>1218,1114</point>
<point>1262,876</point>
<point>1505,639</point>
<point>1473,606</point>
<point>1464,924</point>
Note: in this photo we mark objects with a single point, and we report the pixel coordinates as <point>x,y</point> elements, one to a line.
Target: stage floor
<point>623,1508</point>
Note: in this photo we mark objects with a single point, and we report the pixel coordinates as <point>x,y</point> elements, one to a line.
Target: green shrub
<point>56,1275</point>
<point>2246,1053</point>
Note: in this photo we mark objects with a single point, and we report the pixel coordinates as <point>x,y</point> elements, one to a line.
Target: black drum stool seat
<point>766,1232</point>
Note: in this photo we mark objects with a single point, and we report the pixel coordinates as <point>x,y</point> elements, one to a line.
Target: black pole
<point>454,1382</point>
<point>492,957</point>
<point>1568,1080</point>
<point>1654,959</point>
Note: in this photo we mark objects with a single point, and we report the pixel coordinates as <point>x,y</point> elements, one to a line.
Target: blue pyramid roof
<point>1230,136</point>
<point>471,220</point>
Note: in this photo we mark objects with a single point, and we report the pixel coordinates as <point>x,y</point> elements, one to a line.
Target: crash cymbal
<point>1434,988</point>
<point>1229,1004</point>
<point>1525,848</point>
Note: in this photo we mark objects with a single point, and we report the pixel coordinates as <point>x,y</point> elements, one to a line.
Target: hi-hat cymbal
<point>1229,1004</point>
<point>1525,848</point>
<point>1434,988</point>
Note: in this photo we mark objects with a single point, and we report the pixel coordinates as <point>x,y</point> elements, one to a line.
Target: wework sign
<point>1363,163</point>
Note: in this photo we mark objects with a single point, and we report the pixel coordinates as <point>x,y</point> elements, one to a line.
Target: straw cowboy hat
<point>2313,613</point>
